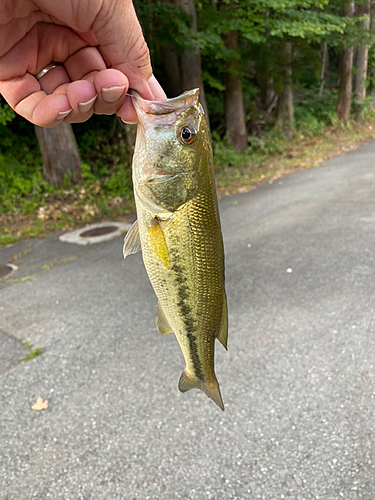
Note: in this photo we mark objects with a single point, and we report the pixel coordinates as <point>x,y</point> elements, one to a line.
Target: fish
<point>179,233</point>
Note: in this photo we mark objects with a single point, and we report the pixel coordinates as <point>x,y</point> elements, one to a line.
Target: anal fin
<point>162,324</point>
<point>132,242</point>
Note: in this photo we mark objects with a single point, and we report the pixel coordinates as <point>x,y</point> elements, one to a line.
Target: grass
<point>25,278</point>
<point>39,209</point>
<point>61,214</point>
<point>37,351</point>
<point>30,207</point>
<point>27,345</point>
<point>253,167</point>
<point>65,261</point>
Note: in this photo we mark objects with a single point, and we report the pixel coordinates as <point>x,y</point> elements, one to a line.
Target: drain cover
<point>95,233</point>
<point>99,231</point>
<point>6,270</point>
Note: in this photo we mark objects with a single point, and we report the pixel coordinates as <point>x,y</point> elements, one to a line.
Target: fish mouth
<point>165,106</point>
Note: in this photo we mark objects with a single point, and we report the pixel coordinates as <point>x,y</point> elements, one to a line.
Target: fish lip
<point>165,106</point>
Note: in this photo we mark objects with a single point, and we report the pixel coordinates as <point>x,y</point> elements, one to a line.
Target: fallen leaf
<point>40,404</point>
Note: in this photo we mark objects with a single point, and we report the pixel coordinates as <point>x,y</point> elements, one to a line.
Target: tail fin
<point>211,388</point>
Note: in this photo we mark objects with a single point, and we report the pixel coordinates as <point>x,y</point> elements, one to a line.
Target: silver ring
<point>45,70</point>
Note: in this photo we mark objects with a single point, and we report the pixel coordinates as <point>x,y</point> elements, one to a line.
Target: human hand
<point>101,50</point>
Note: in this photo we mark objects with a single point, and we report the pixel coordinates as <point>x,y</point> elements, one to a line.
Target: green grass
<point>30,207</point>
<point>241,172</point>
<point>65,261</point>
<point>37,351</point>
<point>25,278</point>
<point>27,345</point>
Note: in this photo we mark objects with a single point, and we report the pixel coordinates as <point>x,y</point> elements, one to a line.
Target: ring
<point>45,70</point>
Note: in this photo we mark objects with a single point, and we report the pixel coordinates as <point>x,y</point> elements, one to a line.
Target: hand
<point>101,50</point>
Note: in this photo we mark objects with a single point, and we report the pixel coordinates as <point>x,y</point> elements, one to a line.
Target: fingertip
<point>127,111</point>
<point>151,90</point>
<point>110,78</point>
<point>63,114</point>
<point>156,89</point>
<point>43,110</point>
<point>82,95</point>
<point>111,86</point>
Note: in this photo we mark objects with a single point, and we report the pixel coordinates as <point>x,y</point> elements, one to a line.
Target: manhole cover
<point>5,270</point>
<point>99,231</point>
<point>95,233</point>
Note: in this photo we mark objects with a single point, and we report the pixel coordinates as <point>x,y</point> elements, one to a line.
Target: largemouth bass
<point>178,230</point>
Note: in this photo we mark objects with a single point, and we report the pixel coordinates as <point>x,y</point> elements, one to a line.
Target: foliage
<point>107,187</point>
<point>6,113</point>
<point>105,145</point>
<point>313,113</point>
<point>37,351</point>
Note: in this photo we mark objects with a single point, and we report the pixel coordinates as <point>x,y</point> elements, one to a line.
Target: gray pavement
<point>298,381</point>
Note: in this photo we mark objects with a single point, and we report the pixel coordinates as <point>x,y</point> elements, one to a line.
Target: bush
<point>313,112</point>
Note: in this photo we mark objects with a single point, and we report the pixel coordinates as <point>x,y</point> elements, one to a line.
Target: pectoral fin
<point>162,324</point>
<point>222,335</point>
<point>132,242</point>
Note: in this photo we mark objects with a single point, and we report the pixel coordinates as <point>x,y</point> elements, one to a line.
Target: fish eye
<point>187,135</point>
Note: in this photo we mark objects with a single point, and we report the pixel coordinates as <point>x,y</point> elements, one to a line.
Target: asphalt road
<point>298,381</point>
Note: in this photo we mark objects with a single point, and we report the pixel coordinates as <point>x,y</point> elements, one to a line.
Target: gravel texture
<point>298,381</point>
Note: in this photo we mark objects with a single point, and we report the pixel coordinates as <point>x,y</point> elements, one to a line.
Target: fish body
<point>178,230</point>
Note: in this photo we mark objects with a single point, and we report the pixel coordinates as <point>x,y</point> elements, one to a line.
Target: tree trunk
<point>234,108</point>
<point>59,153</point>
<point>323,71</point>
<point>263,71</point>
<point>361,63</point>
<point>371,69</point>
<point>285,107</point>
<point>190,61</point>
<point>346,69</point>
<point>173,84</point>
<point>266,90</point>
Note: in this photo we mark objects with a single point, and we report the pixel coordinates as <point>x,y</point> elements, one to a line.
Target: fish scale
<point>179,231</point>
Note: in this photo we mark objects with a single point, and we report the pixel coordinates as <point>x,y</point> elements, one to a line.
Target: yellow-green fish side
<point>180,234</point>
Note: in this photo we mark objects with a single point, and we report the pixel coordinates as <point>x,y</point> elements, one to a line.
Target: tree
<point>234,108</point>
<point>190,60</point>
<point>323,71</point>
<point>171,65</point>
<point>346,66</point>
<point>59,153</point>
<point>361,62</point>
<point>285,108</point>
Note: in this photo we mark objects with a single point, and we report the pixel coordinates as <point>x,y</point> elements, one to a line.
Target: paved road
<point>298,380</point>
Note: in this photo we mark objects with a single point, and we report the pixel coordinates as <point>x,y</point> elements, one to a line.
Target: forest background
<point>285,84</point>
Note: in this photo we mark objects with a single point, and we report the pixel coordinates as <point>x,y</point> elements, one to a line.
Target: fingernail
<point>156,88</point>
<point>84,107</point>
<point>129,122</point>
<point>63,114</point>
<point>112,94</point>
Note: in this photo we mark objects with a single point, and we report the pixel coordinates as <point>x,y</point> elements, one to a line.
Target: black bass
<point>178,230</point>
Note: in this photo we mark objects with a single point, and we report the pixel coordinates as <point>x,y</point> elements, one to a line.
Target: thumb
<point>122,45</point>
